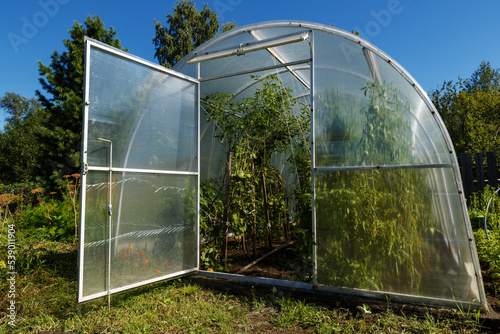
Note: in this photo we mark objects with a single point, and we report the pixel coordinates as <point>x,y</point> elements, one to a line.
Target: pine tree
<point>60,136</point>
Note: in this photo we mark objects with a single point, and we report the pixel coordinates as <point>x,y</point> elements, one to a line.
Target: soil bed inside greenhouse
<point>282,264</point>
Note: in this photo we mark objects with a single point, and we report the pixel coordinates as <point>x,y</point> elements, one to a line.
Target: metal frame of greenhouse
<point>146,146</point>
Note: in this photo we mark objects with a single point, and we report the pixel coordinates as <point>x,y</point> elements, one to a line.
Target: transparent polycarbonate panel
<point>212,152</point>
<point>277,32</point>
<point>227,43</point>
<point>95,235</point>
<point>153,228</point>
<point>235,64</point>
<point>341,73</point>
<point>293,52</point>
<point>367,113</point>
<point>295,78</point>
<point>394,230</point>
<point>247,37</point>
<point>149,115</point>
<point>429,140</point>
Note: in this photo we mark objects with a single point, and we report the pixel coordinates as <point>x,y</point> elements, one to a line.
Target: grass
<point>46,300</point>
<point>46,290</point>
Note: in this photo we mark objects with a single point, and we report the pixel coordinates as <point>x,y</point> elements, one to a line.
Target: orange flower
<point>210,269</point>
<point>158,272</point>
<point>37,190</point>
<point>145,261</point>
<point>126,256</point>
<point>130,246</point>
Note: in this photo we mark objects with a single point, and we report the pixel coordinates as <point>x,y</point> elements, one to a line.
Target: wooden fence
<point>476,176</point>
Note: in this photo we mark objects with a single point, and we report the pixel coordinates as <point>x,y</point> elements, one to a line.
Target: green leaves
<point>61,126</point>
<point>187,28</point>
<point>371,222</point>
<point>254,129</point>
<point>470,110</point>
<point>260,125</point>
<point>18,144</point>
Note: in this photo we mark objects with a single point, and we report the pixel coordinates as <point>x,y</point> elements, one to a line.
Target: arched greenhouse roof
<point>343,64</point>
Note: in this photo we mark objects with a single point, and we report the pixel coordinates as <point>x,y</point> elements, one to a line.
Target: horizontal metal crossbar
<point>260,69</point>
<point>137,170</point>
<point>329,169</point>
<point>250,47</point>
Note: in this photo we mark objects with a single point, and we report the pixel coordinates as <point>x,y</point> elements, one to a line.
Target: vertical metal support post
<point>198,158</point>
<point>313,164</point>
<point>110,213</point>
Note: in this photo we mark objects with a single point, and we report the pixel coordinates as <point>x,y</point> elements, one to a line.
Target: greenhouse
<point>269,131</point>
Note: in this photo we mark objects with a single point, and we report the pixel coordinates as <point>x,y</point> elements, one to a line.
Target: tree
<point>470,110</point>
<point>187,29</point>
<point>18,145</point>
<point>60,136</point>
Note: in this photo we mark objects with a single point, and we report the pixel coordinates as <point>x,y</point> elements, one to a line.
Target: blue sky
<point>434,40</point>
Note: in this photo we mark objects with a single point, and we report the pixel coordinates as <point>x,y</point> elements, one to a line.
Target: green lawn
<point>46,303</point>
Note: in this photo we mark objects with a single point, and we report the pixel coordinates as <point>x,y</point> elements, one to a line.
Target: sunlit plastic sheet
<point>149,128</point>
<point>153,229</point>
<point>394,230</point>
<point>212,153</point>
<point>353,84</point>
<point>146,118</point>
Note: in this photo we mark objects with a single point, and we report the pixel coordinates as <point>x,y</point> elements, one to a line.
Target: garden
<point>46,283</point>
<point>253,223</point>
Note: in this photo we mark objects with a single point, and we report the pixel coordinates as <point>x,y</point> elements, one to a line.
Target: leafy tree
<point>470,110</point>
<point>187,29</point>
<point>18,145</point>
<point>485,78</point>
<point>60,136</point>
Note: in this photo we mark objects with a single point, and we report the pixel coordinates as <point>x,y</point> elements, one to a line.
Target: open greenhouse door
<point>140,186</point>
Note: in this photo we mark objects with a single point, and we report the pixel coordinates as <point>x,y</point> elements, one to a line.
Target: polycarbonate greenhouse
<point>388,212</point>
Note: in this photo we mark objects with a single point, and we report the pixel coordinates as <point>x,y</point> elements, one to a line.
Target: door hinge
<point>85,168</point>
